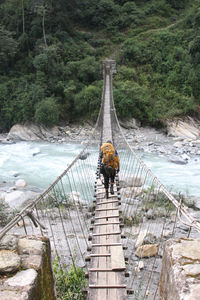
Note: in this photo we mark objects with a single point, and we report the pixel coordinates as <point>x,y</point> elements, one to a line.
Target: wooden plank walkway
<point>107,264</point>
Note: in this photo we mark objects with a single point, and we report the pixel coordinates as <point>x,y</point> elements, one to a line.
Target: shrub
<point>70,282</point>
<point>131,100</point>
<point>88,101</point>
<point>40,62</point>
<point>47,112</point>
<point>177,4</point>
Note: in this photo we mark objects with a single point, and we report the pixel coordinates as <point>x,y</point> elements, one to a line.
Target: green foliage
<point>155,42</point>
<point>131,99</point>
<point>70,282</point>
<point>47,112</point>
<point>8,47</point>
<point>88,101</point>
<point>177,4</point>
<point>155,200</point>
<point>40,62</point>
<point>135,219</point>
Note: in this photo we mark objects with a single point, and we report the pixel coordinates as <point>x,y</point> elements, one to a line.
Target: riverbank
<point>179,141</point>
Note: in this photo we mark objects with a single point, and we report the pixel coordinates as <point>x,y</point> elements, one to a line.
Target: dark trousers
<point>108,177</point>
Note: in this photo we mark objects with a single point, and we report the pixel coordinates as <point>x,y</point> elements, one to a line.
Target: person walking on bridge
<point>109,165</point>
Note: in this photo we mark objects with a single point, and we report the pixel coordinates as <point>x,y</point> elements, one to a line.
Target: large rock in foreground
<point>26,268</point>
<point>180,275</point>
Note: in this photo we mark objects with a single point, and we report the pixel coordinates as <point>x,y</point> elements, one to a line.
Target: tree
<point>47,112</point>
<point>41,9</point>
<point>87,102</point>
<point>177,3</point>
<point>8,48</point>
<point>23,16</point>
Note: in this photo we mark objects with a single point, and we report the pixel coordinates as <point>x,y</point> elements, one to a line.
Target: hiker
<point>109,165</point>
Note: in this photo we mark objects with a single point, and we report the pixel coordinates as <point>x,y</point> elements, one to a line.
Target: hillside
<point>50,54</point>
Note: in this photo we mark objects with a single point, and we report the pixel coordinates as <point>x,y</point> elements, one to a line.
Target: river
<point>40,163</point>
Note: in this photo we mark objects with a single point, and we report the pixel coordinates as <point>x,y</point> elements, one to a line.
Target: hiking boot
<point>106,195</point>
<point>111,190</point>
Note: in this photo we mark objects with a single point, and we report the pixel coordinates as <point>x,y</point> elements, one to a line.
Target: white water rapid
<point>39,164</point>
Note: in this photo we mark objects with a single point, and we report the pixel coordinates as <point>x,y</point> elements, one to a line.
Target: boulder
<point>23,133</point>
<point>178,145</point>
<point>9,261</point>
<point>75,197</point>
<point>23,278</point>
<point>32,132</point>
<point>180,270</point>
<point>84,155</point>
<point>130,124</point>
<point>17,199</point>
<point>129,181</point>
<point>145,238</point>
<point>178,160</point>
<point>131,192</point>
<point>30,265</point>
<point>36,151</point>
<point>187,128</point>
<point>147,250</point>
<point>139,266</point>
<point>140,238</point>
<point>13,295</point>
<point>20,183</point>
<point>28,246</point>
<point>8,242</point>
<point>185,156</point>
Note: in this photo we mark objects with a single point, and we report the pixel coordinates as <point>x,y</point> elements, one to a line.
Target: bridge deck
<point>107,265</point>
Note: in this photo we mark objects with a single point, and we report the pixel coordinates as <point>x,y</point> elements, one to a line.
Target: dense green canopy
<point>50,54</point>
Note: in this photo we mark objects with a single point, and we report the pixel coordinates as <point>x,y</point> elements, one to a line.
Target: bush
<point>40,62</point>
<point>47,112</point>
<point>177,4</point>
<point>125,73</point>
<point>131,100</point>
<point>70,282</point>
<point>88,101</point>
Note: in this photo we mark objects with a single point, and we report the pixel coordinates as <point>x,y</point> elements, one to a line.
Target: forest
<point>51,51</point>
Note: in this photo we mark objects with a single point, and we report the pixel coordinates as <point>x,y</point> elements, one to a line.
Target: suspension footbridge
<point>117,241</point>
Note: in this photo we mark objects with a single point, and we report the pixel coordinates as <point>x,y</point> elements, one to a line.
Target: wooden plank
<point>107,233</point>
<point>107,223</point>
<point>112,286</point>
<point>99,254</point>
<point>117,258</point>
<point>106,244</point>
<point>107,209</point>
<point>100,270</point>
<point>107,216</point>
<point>113,201</point>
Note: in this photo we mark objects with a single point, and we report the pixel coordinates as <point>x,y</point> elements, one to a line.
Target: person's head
<point>110,142</point>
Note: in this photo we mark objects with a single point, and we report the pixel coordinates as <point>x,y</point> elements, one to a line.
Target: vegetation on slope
<point>50,54</point>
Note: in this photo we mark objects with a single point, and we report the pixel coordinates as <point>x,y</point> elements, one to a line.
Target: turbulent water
<point>41,163</point>
<point>38,163</point>
<point>177,178</point>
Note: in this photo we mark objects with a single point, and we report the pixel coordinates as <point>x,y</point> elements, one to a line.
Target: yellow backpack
<point>109,156</point>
